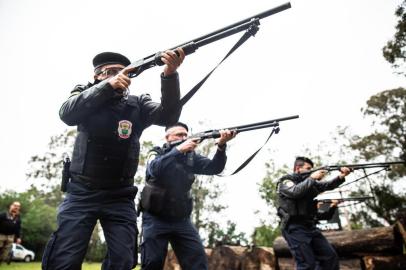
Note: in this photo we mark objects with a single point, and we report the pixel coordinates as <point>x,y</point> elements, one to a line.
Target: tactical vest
<point>107,144</point>
<point>303,208</point>
<point>160,198</point>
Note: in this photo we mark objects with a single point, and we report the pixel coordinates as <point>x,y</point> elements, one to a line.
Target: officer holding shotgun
<point>166,200</point>
<point>105,160</point>
<point>298,211</point>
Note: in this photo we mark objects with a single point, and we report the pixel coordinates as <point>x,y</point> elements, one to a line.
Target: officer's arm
<point>329,185</point>
<point>157,164</point>
<point>168,111</point>
<point>295,191</point>
<point>83,102</point>
<point>206,166</point>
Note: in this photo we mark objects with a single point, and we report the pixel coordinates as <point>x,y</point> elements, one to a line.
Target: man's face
<point>15,208</point>
<point>108,71</point>
<point>175,134</point>
<point>304,168</point>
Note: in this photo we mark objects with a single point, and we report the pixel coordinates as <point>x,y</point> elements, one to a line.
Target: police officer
<point>166,200</point>
<point>298,210</point>
<point>105,159</point>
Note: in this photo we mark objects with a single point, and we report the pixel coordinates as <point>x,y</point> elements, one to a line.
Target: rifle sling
<point>192,91</point>
<point>248,160</point>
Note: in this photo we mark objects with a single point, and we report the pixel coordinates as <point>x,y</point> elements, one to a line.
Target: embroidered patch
<point>151,156</point>
<point>124,129</point>
<point>288,183</point>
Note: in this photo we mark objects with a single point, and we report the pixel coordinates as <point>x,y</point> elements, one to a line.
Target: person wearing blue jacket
<point>166,199</point>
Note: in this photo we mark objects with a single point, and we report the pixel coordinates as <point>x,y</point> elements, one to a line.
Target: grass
<point>37,266</point>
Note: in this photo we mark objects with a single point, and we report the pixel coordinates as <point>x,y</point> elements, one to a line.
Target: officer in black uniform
<point>166,200</point>
<point>105,159</point>
<point>298,211</point>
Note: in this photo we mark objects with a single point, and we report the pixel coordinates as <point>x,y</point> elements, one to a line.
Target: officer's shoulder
<point>79,88</point>
<point>153,153</point>
<point>287,180</point>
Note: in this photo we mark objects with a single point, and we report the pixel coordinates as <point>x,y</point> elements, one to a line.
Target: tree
<point>38,218</point>
<point>264,235</point>
<point>206,191</point>
<point>96,250</point>
<point>395,50</point>
<point>388,141</point>
<point>227,236</point>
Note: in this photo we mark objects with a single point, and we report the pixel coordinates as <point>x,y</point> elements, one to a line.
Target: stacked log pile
<point>232,257</point>
<point>375,248</point>
<point>367,249</point>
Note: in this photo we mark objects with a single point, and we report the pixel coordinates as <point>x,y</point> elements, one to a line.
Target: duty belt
<point>100,183</point>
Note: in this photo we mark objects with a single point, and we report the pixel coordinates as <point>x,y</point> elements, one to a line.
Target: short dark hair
<point>300,161</point>
<point>177,124</point>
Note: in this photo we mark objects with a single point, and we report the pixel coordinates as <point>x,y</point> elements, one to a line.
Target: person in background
<point>10,230</point>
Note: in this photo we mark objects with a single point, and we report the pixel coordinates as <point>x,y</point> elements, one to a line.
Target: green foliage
<point>387,110</point>
<point>97,249</point>
<point>395,50</point>
<point>45,171</point>
<point>38,218</point>
<point>267,188</point>
<point>227,236</point>
<point>265,235</point>
<point>206,191</point>
<point>146,146</point>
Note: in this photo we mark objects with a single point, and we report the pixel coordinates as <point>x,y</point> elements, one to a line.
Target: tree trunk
<point>171,262</point>
<point>345,264</point>
<point>259,258</point>
<point>226,258</point>
<point>381,240</point>
<point>385,262</point>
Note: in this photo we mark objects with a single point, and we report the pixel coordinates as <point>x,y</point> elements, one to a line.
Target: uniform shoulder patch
<point>78,89</point>
<point>287,182</point>
<point>153,154</point>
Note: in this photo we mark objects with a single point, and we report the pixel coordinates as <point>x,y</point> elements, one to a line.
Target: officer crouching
<point>298,211</point>
<point>166,201</point>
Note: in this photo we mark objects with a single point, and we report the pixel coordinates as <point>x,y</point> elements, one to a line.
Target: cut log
<point>286,263</point>
<point>259,258</point>
<point>171,262</point>
<point>385,262</point>
<point>351,264</point>
<point>208,251</point>
<point>345,264</point>
<point>382,240</point>
<point>226,258</point>
<point>402,231</point>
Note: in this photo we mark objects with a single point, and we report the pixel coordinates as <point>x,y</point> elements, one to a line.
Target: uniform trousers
<point>310,248</point>
<point>180,233</point>
<point>77,217</point>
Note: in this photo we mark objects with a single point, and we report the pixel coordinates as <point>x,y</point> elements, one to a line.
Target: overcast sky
<point>320,60</point>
